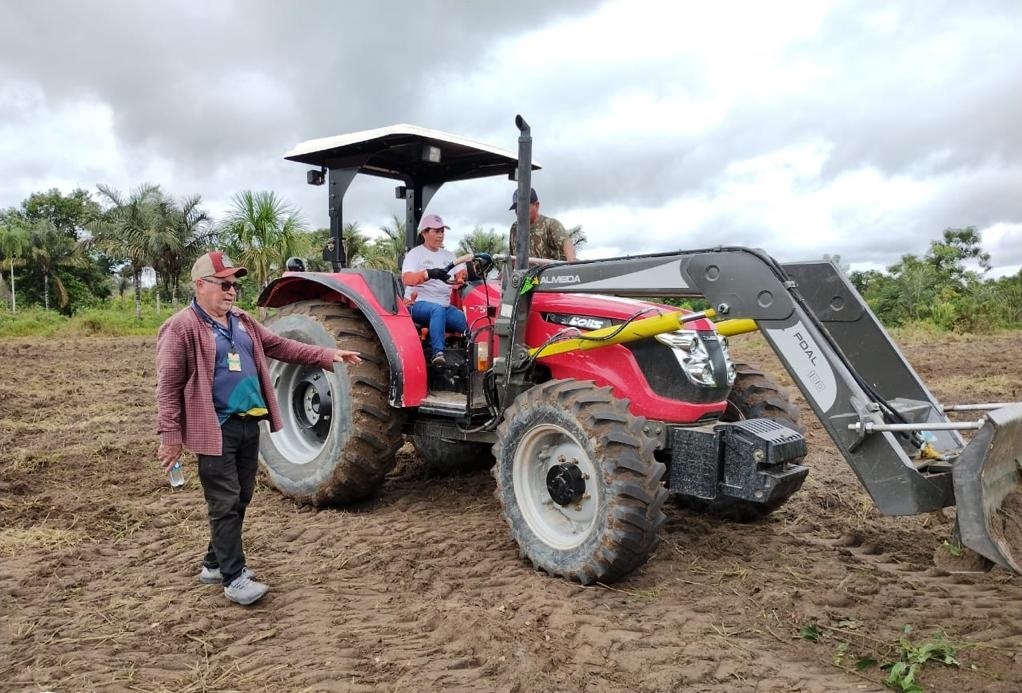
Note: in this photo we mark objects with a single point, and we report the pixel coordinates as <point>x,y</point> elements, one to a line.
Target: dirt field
<point>421,589</point>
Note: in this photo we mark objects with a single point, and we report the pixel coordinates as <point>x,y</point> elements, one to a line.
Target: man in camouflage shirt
<point>548,239</point>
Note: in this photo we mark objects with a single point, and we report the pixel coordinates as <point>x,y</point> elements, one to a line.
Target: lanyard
<point>226,332</point>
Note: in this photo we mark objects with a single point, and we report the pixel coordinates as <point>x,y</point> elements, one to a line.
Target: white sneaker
<point>244,590</point>
<point>212,576</point>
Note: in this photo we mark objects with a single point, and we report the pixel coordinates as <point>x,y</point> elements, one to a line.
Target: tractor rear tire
<point>340,435</point>
<point>446,456</point>
<point>753,396</point>
<point>577,481</point>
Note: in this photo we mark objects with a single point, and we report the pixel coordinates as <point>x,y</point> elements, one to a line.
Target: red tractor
<point>593,406</point>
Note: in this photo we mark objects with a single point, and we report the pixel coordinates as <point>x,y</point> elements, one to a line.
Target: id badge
<point>234,362</point>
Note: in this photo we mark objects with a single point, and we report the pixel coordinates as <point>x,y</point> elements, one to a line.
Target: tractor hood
<point>616,308</point>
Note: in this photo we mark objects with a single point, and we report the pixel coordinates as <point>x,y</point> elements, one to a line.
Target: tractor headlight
<point>690,349</point>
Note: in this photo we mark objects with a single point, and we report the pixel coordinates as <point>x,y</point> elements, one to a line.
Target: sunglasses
<point>224,286</point>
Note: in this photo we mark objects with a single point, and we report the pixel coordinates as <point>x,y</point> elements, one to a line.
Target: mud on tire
<point>753,396</point>
<point>340,435</point>
<point>569,440</point>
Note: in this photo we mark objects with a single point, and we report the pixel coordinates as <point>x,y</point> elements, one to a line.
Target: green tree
<point>126,229</point>
<point>183,235</point>
<point>49,250</point>
<point>13,244</point>
<point>949,255</point>
<point>85,280</point>
<point>1006,296</point>
<point>479,241</point>
<point>913,291</point>
<point>356,243</point>
<point>69,214</point>
<point>263,231</point>
<point>386,252</point>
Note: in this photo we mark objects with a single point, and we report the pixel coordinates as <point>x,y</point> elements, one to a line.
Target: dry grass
<point>17,540</point>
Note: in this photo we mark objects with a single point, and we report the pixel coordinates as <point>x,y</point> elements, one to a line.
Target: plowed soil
<point>421,588</point>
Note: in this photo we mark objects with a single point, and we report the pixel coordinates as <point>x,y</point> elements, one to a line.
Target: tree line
<point>944,287</point>
<point>67,252</point>
<point>74,251</point>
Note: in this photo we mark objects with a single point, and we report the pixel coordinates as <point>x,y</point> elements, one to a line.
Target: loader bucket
<point>988,489</point>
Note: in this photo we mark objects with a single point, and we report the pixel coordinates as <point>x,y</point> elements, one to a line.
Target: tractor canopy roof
<point>408,153</point>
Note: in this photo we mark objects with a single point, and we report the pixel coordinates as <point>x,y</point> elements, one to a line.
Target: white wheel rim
<point>559,526</point>
<point>297,445</point>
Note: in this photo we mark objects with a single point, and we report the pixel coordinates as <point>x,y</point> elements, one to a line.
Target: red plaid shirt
<point>185,359</point>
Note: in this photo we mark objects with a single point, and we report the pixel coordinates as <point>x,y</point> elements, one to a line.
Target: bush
<point>31,322</point>
<point>110,321</point>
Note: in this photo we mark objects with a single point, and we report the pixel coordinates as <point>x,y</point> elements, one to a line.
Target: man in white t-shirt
<point>425,278</point>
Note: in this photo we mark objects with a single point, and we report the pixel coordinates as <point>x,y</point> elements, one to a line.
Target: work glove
<point>437,273</point>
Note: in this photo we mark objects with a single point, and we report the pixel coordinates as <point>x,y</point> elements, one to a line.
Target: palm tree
<point>48,250</point>
<point>183,235</point>
<point>264,231</point>
<point>13,243</point>
<point>126,229</point>
<point>385,252</point>
<point>479,241</point>
<point>122,282</point>
<point>356,244</point>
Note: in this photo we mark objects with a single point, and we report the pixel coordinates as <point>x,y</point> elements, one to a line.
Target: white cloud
<point>804,128</point>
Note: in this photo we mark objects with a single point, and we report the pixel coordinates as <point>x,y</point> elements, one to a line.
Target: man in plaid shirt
<point>213,388</point>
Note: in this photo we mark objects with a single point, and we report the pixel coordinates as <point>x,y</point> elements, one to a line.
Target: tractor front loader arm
<point>878,412</point>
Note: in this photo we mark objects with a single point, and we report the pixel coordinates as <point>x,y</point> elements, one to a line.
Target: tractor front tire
<point>753,396</point>
<point>340,435</point>
<point>577,481</point>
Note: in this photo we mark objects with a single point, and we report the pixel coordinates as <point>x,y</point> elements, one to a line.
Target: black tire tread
<point>633,487</point>
<point>370,452</point>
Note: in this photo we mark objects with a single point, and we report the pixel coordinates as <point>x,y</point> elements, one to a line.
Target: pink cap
<point>432,221</point>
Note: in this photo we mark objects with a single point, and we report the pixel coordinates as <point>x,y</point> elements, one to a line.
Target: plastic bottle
<point>176,474</point>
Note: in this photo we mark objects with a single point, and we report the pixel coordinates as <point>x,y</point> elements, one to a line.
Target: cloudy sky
<point>806,128</point>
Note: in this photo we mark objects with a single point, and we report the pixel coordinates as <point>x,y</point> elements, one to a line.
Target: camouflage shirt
<point>548,236</point>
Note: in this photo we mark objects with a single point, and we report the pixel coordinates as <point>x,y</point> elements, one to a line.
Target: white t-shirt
<point>422,258</point>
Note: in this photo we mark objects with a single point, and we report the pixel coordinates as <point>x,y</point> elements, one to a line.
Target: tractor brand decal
<point>653,279</point>
<point>559,279</point>
<point>808,363</point>
<point>588,323</point>
<point>584,321</point>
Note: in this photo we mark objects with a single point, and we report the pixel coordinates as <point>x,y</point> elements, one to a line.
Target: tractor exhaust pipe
<point>520,243</point>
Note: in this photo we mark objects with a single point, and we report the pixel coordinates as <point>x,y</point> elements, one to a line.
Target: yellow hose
<point>640,329</point>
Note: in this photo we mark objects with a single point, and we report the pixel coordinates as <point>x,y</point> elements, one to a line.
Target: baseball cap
<point>432,221</point>
<point>514,198</point>
<point>216,264</point>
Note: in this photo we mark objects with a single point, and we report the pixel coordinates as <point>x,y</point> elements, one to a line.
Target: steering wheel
<point>479,266</point>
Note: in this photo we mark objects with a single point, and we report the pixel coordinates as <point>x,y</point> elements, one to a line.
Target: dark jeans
<point>228,481</point>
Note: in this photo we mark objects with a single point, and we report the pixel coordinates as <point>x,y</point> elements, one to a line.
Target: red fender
<point>377,295</point>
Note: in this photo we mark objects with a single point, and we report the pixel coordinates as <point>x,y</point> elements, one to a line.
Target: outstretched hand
<point>342,356</point>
